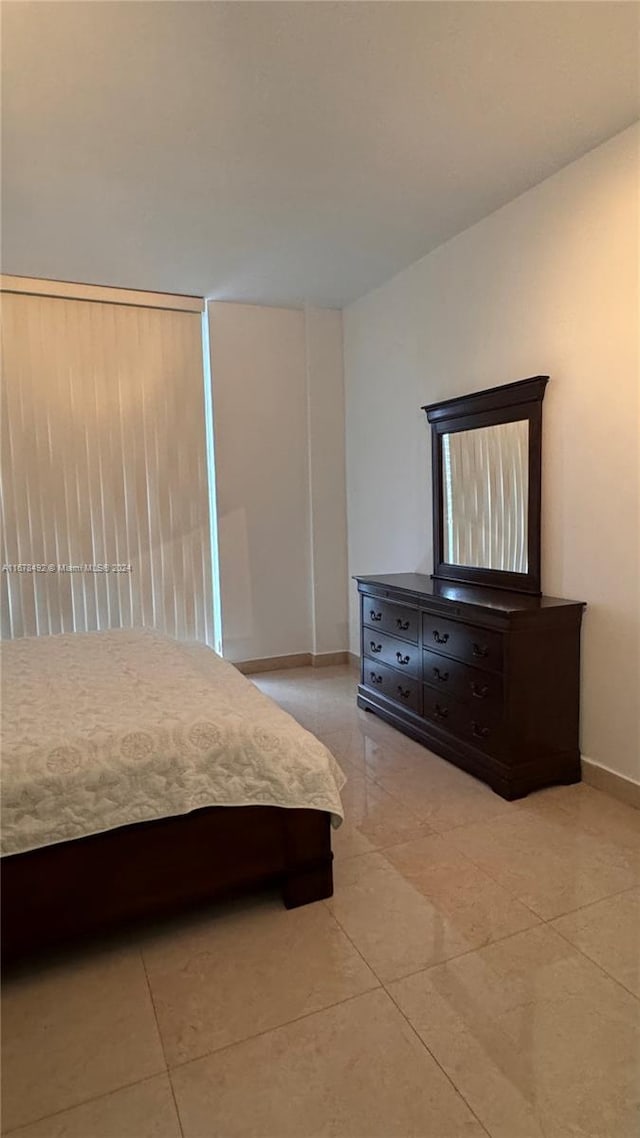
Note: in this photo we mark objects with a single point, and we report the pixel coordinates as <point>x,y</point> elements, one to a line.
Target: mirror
<point>485,479</point>
<point>486,468</point>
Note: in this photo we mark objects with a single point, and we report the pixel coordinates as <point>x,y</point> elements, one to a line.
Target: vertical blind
<point>485,492</point>
<point>105,500</point>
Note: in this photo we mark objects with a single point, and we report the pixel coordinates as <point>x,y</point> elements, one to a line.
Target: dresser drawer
<point>385,616</point>
<point>479,646</point>
<point>405,657</point>
<point>402,689</point>
<point>482,728</point>
<point>464,682</point>
<point>439,708</point>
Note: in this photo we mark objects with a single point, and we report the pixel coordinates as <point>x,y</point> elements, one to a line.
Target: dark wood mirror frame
<point>507,404</point>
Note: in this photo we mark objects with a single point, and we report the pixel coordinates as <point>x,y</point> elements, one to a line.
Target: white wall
<point>327,490</point>
<point>279,441</point>
<point>546,285</point>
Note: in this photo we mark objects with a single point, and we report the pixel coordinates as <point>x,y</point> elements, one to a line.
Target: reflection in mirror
<point>485,489</point>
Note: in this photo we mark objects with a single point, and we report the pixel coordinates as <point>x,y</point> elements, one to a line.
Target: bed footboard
<point>100,883</point>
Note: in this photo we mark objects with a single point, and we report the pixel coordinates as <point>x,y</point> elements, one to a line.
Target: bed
<point>142,775</point>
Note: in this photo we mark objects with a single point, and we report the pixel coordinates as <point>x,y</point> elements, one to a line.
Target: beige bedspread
<point>109,728</point>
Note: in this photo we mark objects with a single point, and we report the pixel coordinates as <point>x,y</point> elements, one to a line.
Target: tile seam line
<point>496,880</point>
<point>381,985</point>
<point>481,868</point>
<point>425,821</point>
<point>491,819</point>
<point>276,1027</point>
<point>160,1037</point>
<point>82,1102</point>
<point>519,804</point>
<point>590,904</point>
<point>540,923</point>
<point>514,896</point>
<point>412,1028</point>
<point>443,963</point>
<point>461,955</point>
<point>438,1063</point>
<point>600,967</point>
<point>501,940</point>
<point>436,834</point>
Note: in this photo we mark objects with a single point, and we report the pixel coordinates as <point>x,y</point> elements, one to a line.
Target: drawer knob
<point>441,676</point>
<point>478,731</point>
<point>402,659</point>
<point>438,638</point>
<point>402,624</point>
<point>375,647</point>
<point>375,615</point>
<point>374,678</point>
<point>404,693</point>
<point>479,691</point>
<point>441,712</point>
<point>480,650</point>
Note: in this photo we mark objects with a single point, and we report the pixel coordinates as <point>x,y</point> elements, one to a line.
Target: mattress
<point>106,729</point>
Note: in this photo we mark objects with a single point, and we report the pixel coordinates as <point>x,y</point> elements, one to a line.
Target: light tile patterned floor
<point>476,973</point>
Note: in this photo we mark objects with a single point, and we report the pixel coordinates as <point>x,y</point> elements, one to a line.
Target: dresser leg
<point>364,706</point>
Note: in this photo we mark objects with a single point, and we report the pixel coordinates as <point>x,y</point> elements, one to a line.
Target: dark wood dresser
<point>488,679</point>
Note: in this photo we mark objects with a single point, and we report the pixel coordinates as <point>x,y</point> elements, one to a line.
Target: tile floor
<point>477,972</point>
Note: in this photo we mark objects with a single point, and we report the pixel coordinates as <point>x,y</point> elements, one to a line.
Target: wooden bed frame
<point>96,884</point>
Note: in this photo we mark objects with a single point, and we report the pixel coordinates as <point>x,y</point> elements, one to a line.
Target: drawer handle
<point>374,678</point>
<point>478,731</point>
<point>404,693</point>
<point>441,712</point>
<point>480,650</point>
<point>478,691</point>
<point>402,659</point>
<point>375,615</point>
<point>441,676</point>
<point>438,638</point>
<point>375,647</point>
<point>402,624</point>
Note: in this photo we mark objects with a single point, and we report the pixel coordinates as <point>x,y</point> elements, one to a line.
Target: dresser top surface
<point>415,586</point>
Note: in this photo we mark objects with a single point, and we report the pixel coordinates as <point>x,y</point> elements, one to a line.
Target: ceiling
<point>289,153</point>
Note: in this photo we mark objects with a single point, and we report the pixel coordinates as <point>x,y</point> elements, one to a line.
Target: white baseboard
<point>296,660</point>
<point>273,663</point>
<point>329,659</point>
<point>617,785</point>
